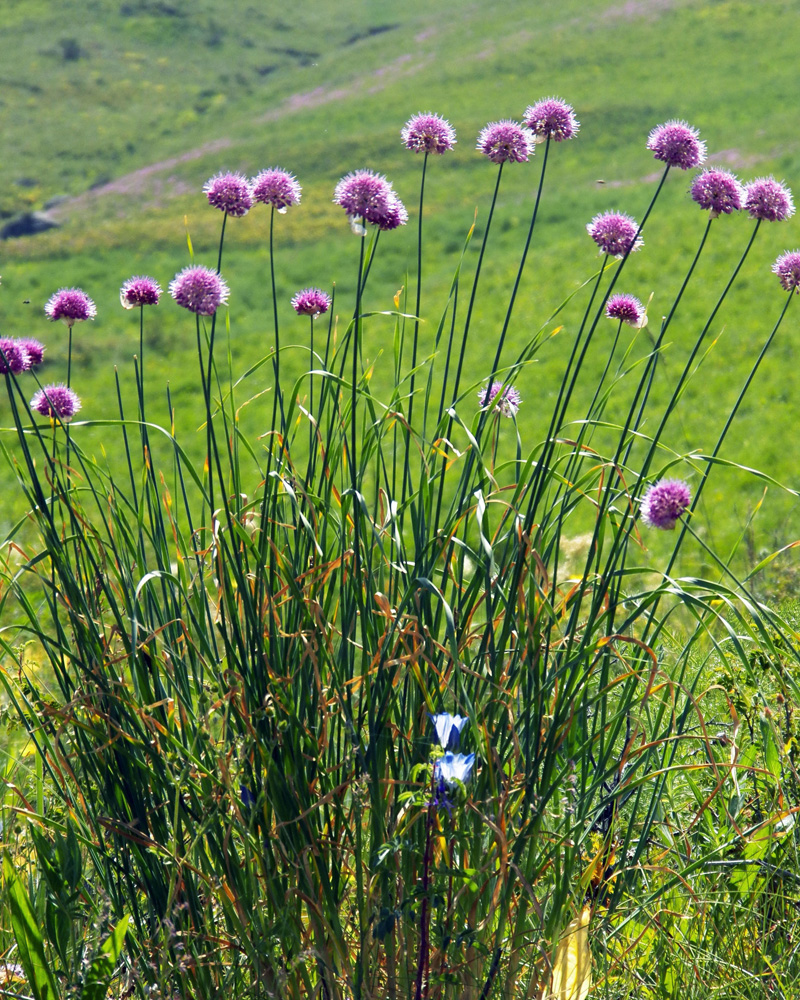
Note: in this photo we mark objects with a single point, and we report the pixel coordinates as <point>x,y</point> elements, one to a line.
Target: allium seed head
<point>677,144</point>
<point>70,305</point>
<point>199,289</point>
<point>311,302</point>
<point>508,403</point>
<point>505,141</point>
<point>767,199</point>
<point>665,502</point>
<point>551,119</point>
<point>787,267</point>
<point>56,401</point>
<point>276,187</point>
<point>13,357</point>
<point>719,191</point>
<point>428,133</point>
<point>230,193</point>
<point>628,309</point>
<point>139,291</point>
<point>615,233</point>
<point>34,349</point>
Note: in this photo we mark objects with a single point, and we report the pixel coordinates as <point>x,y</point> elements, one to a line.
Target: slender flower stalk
<point>546,122</point>
<point>138,292</point>
<point>618,549</point>
<point>729,421</point>
<point>311,302</point>
<point>71,306</point>
<point>613,235</point>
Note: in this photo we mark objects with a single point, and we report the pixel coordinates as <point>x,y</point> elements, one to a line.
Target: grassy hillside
<point>128,115</point>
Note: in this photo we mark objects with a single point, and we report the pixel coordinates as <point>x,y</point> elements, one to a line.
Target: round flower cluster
<point>199,289</point>
<point>18,356</point>
<point>72,305</point>
<point>311,302</point>
<point>787,267</point>
<point>276,187</point>
<point>665,502</point>
<point>428,133</point>
<point>768,200</point>
<point>139,291</point>
<point>230,193</point>
<point>627,309</point>
<point>509,401</point>
<point>677,144</point>
<point>719,191</point>
<point>615,233</point>
<point>34,349</point>
<point>505,141</point>
<point>13,358</point>
<point>56,400</point>
<point>551,119</point>
<point>364,194</point>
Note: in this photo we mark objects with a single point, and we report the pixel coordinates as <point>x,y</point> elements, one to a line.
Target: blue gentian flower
<point>448,729</point>
<point>454,767</point>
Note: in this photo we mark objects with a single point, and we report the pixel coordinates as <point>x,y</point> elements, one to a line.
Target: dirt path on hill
<point>149,180</point>
<point>156,183</point>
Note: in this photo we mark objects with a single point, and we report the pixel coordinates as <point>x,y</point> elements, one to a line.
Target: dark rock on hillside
<point>28,224</point>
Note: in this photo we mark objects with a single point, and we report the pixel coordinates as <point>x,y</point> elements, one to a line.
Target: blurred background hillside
<point>115,112</point>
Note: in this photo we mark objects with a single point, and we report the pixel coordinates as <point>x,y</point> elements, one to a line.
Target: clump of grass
<point>344,709</point>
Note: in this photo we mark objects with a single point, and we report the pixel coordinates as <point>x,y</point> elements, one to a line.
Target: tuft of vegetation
<point>391,699</point>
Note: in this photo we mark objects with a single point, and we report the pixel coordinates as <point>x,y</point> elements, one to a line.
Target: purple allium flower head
<point>139,291</point>
<point>769,200</point>
<point>311,302</point>
<point>394,216</point>
<point>363,194</point>
<point>628,309</point>
<point>787,267</point>
<point>428,133</point>
<point>551,119</point>
<point>34,349</point>
<point>230,193</point>
<point>199,289</point>
<point>719,191</point>
<point>677,144</point>
<point>70,305</point>
<point>615,233</point>
<point>665,502</point>
<point>448,729</point>
<point>13,357</point>
<point>505,140</point>
<point>276,187</point>
<point>56,401</point>
<point>509,400</point>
